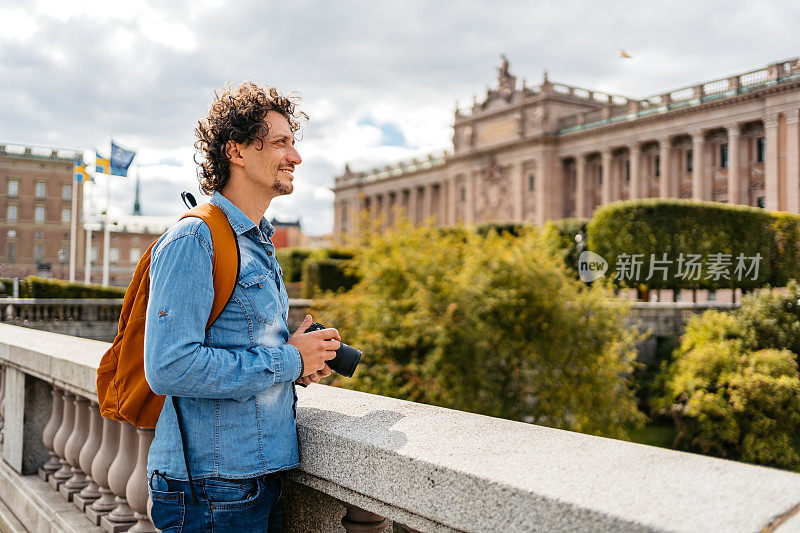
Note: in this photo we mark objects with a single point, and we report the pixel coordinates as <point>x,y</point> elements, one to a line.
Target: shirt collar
<point>238,220</point>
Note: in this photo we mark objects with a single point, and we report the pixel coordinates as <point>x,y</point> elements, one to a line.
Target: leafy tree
<point>734,387</point>
<point>488,324</point>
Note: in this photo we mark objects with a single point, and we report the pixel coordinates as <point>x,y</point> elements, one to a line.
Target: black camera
<point>347,357</point>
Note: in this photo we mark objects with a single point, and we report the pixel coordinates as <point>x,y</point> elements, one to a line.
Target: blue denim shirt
<point>234,382</point>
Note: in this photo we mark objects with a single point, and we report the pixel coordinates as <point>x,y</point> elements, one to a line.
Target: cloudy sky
<point>379,79</point>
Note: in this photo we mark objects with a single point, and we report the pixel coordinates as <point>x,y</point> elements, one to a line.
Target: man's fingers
<point>332,344</point>
<point>304,326</point>
<point>329,354</point>
<point>329,333</point>
<point>326,371</point>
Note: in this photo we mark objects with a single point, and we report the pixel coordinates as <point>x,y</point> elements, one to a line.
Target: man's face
<point>270,168</point>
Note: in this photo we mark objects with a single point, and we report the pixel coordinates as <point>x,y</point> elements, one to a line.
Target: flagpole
<point>107,231</point>
<point>73,229</point>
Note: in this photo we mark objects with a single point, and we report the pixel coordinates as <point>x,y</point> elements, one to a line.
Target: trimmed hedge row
<point>649,242</point>
<point>36,287</point>
<point>560,240</point>
<point>322,275</point>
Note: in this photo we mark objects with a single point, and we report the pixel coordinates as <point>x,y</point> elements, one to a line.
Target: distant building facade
<point>36,188</point>
<point>554,151</point>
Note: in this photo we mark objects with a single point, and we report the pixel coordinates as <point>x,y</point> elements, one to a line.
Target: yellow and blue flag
<point>120,160</point>
<point>81,174</point>
<point>102,165</point>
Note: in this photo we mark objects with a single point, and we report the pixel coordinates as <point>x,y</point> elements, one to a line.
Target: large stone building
<point>554,151</point>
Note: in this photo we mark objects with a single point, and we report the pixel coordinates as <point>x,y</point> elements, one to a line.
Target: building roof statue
<point>506,82</point>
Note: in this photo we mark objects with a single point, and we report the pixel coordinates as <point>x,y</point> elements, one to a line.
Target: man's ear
<point>233,151</point>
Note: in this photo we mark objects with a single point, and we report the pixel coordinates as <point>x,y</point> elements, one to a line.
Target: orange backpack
<point>122,389</point>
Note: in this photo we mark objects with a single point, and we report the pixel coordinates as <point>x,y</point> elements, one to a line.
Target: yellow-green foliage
<point>730,393</point>
<point>491,325</point>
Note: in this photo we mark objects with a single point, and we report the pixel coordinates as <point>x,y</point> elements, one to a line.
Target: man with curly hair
<point>213,464</point>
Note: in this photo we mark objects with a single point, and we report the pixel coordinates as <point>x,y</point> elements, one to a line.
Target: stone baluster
<point>49,433</point>
<point>91,492</point>
<point>100,467</point>
<point>121,518</point>
<point>357,520</point>
<point>60,442</point>
<point>72,450</point>
<point>137,486</point>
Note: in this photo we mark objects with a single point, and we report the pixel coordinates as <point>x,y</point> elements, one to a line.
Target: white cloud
<point>74,72</point>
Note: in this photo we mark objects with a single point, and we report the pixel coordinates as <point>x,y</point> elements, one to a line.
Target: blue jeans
<point>224,504</point>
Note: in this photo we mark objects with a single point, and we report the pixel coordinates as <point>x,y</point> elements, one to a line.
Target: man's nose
<point>294,156</point>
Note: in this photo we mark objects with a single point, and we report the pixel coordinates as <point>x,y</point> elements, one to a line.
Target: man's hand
<point>315,349</point>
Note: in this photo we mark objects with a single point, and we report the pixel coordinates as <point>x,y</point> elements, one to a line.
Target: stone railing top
<point>436,469</point>
<point>61,301</point>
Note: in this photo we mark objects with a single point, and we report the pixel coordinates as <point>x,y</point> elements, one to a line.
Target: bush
<point>734,388</point>
<point>785,251</point>
<point>510,228</point>
<point>671,226</point>
<point>322,275</point>
<point>491,325</point>
<point>559,238</point>
<point>36,287</point>
<point>291,261</point>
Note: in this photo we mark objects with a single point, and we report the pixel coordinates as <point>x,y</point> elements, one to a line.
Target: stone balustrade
<point>367,461</point>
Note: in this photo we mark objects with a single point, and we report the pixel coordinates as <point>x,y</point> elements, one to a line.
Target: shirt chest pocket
<point>260,295</point>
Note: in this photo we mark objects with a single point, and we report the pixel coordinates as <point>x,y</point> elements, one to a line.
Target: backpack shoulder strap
<point>225,264</point>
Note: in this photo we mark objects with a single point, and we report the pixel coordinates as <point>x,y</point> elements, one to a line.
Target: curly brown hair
<point>237,114</point>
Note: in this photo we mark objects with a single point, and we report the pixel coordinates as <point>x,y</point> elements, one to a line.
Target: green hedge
<point>500,228</point>
<point>36,287</point>
<point>674,227</point>
<point>291,261</point>
<point>322,275</point>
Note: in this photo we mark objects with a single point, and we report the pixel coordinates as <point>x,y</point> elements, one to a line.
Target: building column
<point>453,193</point>
<point>771,190</point>
<point>412,205</point>
<point>443,215</point>
<point>699,176</point>
<point>665,168</point>
<point>606,191</point>
<point>519,185</point>
<point>470,210</point>
<point>427,201</point>
<point>792,163</point>
<point>635,186</point>
<point>580,186</point>
<point>734,165</point>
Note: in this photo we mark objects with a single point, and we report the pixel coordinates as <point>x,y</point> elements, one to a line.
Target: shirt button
<point>259,285</point>
<point>269,252</point>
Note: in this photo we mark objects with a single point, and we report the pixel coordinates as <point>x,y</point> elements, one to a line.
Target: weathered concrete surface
<point>69,362</point>
<point>476,473</point>
<point>37,507</point>
<point>27,407</point>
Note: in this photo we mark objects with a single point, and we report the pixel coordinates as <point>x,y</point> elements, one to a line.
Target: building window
<point>93,254</point>
<point>760,201</point>
<point>12,253</point>
<point>760,150</point>
<point>600,175</point>
<point>41,190</point>
<point>136,254</point>
<point>113,255</point>
<point>39,235</point>
<point>38,252</point>
<point>13,188</point>
<point>689,160</point>
<point>627,170</point>
<point>12,234</point>
<point>657,165</point>
<point>463,194</point>
<point>531,182</point>
<point>12,213</point>
<point>38,215</point>
<point>723,155</point>
<point>66,216</point>
<point>66,192</point>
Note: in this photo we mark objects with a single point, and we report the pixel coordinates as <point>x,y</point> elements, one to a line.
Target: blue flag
<point>120,160</point>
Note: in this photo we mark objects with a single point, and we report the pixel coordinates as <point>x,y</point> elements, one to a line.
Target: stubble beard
<point>281,187</point>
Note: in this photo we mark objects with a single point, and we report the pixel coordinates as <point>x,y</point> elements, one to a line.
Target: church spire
<point>137,206</point>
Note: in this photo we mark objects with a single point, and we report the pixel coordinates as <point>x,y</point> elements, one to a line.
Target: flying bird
<point>624,55</point>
